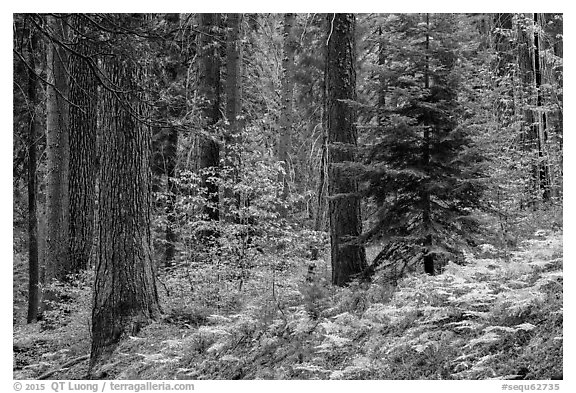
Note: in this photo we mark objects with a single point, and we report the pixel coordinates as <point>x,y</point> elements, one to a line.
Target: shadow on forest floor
<point>487,319</point>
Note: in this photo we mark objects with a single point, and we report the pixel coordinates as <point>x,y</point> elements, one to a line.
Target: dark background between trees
<point>171,167</point>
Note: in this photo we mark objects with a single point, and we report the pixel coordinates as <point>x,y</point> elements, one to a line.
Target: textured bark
<point>125,295</point>
<point>209,91</point>
<point>287,95</point>
<point>82,126</point>
<point>57,261</point>
<point>348,258</point>
<point>33,134</point>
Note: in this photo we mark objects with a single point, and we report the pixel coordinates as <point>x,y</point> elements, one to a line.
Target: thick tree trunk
<point>209,91</point>
<point>82,126</point>
<point>287,95</point>
<point>125,295</point>
<point>348,258</point>
<point>33,134</point>
<point>57,261</point>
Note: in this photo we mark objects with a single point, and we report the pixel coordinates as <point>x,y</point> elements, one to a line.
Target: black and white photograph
<point>286,196</point>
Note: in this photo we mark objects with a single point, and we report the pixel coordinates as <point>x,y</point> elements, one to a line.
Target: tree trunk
<point>33,134</point>
<point>209,91</point>
<point>82,126</point>
<point>426,208</point>
<point>287,95</point>
<point>166,142</point>
<point>57,261</point>
<point>233,109</point>
<point>348,258</point>
<point>125,295</point>
<point>552,71</point>
<point>234,72</point>
<point>526,67</point>
<point>320,216</point>
<point>172,188</point>
<point>542,136</point>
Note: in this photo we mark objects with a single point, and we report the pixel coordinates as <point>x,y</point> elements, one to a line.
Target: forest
<point>221,196</point>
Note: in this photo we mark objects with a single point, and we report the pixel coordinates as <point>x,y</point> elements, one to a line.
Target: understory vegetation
<point>288,196</point>
<point>497,313</point>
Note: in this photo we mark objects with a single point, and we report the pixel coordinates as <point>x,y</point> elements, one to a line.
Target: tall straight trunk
<point>33,134</point>
<point>168,141</point>
<point>542,137</point>
<point>552,71</point>
<point>426,208</point>
<point>531,142</point>
<point>320,216</point>
<point>209,91</point>
<point>348,258</point>
<point>82,173</point>
<point>125,294</point>
<point>233,73</point>
<point>287,95</point>
<point>172,188</point>
<point>57,261</point>
<point>233,107</point>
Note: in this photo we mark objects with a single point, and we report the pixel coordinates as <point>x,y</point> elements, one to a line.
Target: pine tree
<point>171,108</point>
<point>125,294</point>
<point>422,169</point>
<point>82,140</point>
<point>348,258</point>
<point>56,255</point>
<point>33,132</point>
<point>209,90</point>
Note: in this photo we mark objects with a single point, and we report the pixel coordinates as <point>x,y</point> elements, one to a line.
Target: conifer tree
<point>347,257</point>
<point>423,168</point>
<point>125,297</point>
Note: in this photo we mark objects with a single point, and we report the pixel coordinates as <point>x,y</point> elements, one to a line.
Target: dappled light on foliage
<point>288,196</point>
<point>485,319</point>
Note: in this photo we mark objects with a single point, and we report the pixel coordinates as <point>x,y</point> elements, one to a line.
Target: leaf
<point>506,329</point>
<point>525,326</point>
<point>486,338</point>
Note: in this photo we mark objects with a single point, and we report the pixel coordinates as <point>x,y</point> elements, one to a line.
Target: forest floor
<point>493,318</point>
